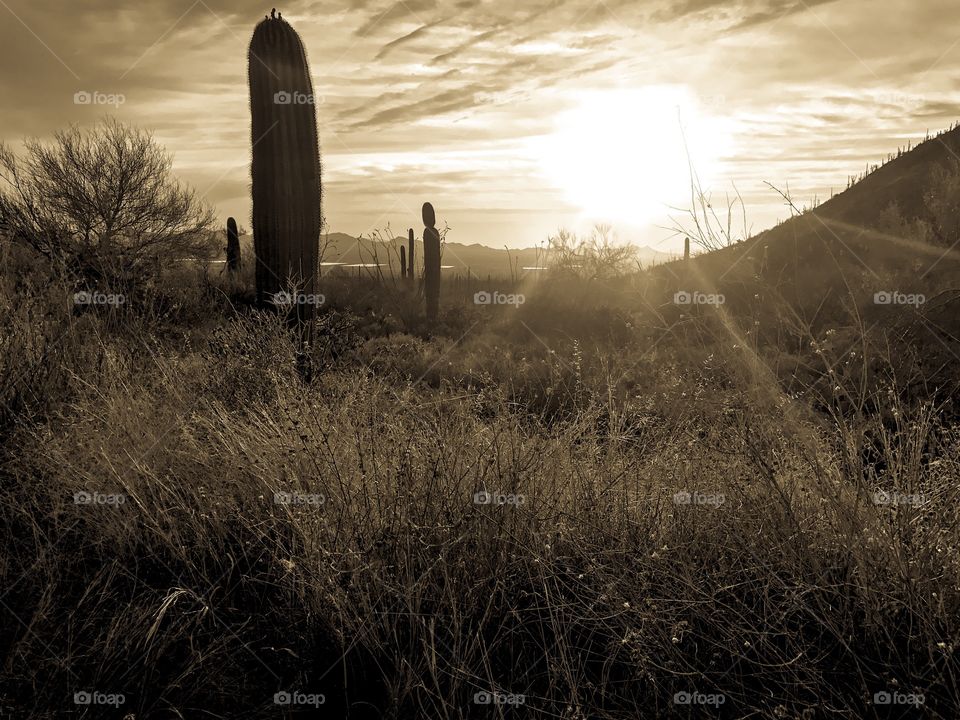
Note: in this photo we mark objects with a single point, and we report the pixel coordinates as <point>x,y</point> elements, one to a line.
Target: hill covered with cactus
<point>898,215</point>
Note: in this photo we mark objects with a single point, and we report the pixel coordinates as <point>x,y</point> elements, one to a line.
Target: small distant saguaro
<point>431,262</point>
<point>233,246</point>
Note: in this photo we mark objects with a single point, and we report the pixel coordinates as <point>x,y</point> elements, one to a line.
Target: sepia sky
<point>513,118</point>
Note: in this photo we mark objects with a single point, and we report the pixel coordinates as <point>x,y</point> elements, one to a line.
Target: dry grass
<point>392,593</point>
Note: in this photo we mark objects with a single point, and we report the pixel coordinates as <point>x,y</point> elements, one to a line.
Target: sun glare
<point>621,155</point>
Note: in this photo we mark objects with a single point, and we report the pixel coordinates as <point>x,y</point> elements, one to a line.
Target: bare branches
<point>102,201</point>
<point>704,225</point>
<point>596,257</point>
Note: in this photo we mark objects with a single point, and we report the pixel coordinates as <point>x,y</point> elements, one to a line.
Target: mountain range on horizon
<point>846,217</point>
<point>341,249</point>
<point>900,182</point>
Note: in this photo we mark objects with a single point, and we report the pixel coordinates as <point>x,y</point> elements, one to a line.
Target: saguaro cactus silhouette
<point>411,273</point>
<point>286,165</point>
<point>233,246</point>
<point>431,262</point>
<point>403,262</point>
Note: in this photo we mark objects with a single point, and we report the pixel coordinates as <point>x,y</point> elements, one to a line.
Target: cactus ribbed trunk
<point>233,246</point>
<point>286,166</point>
<point>412,275</point>
<point>431,262</point>
<point>686,248</point>
<point>403,262</point>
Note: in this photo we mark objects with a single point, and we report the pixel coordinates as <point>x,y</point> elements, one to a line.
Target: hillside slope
<point>852,233</point>
<point>834,271</point>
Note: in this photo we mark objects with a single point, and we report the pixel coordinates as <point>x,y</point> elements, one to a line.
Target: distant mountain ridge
<point>479,260</point>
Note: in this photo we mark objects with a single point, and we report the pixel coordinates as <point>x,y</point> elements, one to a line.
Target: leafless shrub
<point>103,203</point>
<point>596,257</point>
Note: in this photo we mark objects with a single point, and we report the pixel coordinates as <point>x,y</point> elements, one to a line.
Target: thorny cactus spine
<point>233,246</point>
<point>286,169</point>
<point>431,262</point>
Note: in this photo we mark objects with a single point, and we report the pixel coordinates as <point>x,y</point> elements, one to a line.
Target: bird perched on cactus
<point>233,246</point>
<point>431,261</point>
<point>286,168</point>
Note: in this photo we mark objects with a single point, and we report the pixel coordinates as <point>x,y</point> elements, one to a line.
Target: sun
<point>621,156</point>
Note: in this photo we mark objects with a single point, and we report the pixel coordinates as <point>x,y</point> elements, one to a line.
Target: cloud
<point>812,94</point>
<point>948,109</point>
<point>404,39</point>
<point>402,10</point>
<point>776,11</point>
<point>463,47</point>
<point>448,101</point>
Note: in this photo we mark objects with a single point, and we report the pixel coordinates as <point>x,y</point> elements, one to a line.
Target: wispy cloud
<point>405,39</point>
<point>812,89</point>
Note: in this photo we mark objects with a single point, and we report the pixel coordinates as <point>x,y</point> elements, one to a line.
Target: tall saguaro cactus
<point>286,165</point>
<point>431,262</point>
<point>403,262</point>
<point>233,246</point>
